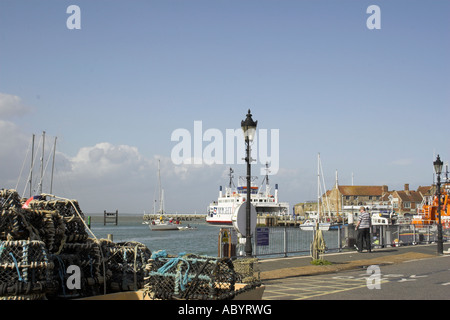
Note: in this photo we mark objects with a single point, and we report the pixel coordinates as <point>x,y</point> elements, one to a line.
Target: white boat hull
<point>163,226</point>
<point>309,226</point>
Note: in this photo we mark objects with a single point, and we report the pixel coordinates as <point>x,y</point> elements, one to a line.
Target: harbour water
<point>203,240</point>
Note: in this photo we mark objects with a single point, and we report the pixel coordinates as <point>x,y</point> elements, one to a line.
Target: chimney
<point>406,186</point>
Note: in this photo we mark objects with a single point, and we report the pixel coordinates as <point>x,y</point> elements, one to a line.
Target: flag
<point>26,204</point>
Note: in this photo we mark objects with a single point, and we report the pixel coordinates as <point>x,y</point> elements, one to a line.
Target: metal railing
<point>288,240</point>
<point>285,241</point>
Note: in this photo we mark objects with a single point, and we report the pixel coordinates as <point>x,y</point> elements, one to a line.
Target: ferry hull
<point>219,222</point>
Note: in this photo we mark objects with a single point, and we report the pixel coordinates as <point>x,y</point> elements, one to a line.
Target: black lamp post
<point>249,128</point>
<point>438,169</point>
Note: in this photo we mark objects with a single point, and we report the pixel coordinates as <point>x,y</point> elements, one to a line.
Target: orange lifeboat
<point>428,215</point>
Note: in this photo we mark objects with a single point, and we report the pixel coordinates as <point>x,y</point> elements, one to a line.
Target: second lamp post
<point>438,169</point>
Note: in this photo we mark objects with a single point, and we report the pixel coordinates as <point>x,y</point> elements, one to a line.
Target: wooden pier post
<point>109,215</point>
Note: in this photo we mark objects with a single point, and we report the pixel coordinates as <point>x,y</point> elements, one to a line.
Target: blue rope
<point>159,254</point>
<point>182,279</point>
<point>17,267</point>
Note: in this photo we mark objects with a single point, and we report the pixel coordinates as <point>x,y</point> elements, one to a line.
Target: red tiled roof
<point>362,190</point>
<point>413,196</point>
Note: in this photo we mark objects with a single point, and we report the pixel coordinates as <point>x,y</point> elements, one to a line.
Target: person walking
<point>363,228</point>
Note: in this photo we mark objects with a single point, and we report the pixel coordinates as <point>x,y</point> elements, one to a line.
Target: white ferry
<point>222,210</point>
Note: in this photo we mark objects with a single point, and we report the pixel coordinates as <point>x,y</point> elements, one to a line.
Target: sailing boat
<point>313,224</point>
<point>161,224</point>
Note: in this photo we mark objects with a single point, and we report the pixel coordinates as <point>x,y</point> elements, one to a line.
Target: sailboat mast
<point>161,208</point>
<point>31,166</point>
<point>53,167</point>
<point>230,185</point>
<point>318,185</point>
<point>42,161</point>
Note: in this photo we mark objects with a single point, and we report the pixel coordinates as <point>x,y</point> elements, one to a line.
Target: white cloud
<point>13,148</point>
<point>11,105</point>
<point>105,159</point>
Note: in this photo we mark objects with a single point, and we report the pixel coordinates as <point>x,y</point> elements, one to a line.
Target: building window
<point>407,204</point>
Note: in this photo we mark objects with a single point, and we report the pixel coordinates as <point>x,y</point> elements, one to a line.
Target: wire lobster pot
<point>26,272</point>
<point>70,212</point>
<point>45,252</point>
<point>125,264</point>
<point>192,277</point>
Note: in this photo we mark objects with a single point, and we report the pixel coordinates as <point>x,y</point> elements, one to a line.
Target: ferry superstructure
<point>266,203</point>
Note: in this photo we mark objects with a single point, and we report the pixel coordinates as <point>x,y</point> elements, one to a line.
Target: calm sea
<point>201,241</point>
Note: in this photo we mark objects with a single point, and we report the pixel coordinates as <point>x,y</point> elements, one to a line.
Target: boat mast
<point>42,162</point>
<point>337,198</point>
<point>161,192</point>
<point>266,178</point>
<point>31,168</point>
<point>231,178</point>
<point>53,167</point>
<point>318,186</point>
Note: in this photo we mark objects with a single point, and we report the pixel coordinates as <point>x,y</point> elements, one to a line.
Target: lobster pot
<point>125,264</point>
<point>9,198</point>
<point>25,270</point>
<point>19,224</point>
<point>247,271</point>
<point>75,230</point>
<point>78,270</point>
<point>190,277</point>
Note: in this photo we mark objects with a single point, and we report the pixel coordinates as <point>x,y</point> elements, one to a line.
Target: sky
<point>123,85</point>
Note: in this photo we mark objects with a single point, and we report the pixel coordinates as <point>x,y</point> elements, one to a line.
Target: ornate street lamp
<point>249,128</point>
<point>438,169</point>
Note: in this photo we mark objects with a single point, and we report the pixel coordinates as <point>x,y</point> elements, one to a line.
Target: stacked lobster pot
<point>125,265</point>
<point>73,254</point>
<point>26,270</point>
<point>196,277</point>
<point>45,252</point>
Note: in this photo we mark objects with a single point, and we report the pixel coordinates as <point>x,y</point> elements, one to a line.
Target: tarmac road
<point>423,279</point>
<point>406,273</point>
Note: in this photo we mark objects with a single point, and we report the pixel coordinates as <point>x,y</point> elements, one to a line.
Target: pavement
<point>281,275</point>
